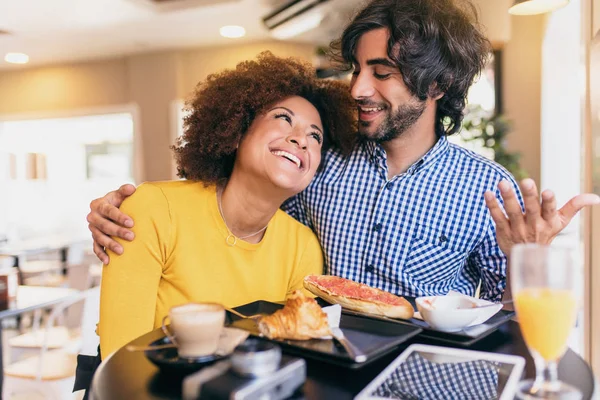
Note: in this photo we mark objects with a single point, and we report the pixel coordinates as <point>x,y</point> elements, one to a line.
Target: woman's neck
<point>244,210</point>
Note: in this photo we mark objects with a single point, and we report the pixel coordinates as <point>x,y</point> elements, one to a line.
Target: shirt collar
<point>378,156</point>
<point>375,152</point>
<point>435,153</point>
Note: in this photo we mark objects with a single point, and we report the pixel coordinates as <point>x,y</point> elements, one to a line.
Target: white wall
<point>595,17</point>
<point>563,86</point>
<point>593,152</point>
<point>563,105</point>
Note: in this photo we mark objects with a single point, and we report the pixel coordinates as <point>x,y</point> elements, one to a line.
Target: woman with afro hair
<point>253,138</point>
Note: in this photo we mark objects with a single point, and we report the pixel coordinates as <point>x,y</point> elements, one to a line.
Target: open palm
<point>540,223</point>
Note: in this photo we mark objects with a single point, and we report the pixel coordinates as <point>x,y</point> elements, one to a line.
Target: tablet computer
<point>434,372</point>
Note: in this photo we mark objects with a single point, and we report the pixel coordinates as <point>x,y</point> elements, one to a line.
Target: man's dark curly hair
<point>436,44</point>
<point>225,104</point>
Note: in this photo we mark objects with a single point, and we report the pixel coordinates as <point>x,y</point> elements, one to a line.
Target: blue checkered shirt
<point>423,232</point>
<point>420,379</point>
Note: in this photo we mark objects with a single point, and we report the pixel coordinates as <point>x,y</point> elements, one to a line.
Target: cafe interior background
<point>95,99</point>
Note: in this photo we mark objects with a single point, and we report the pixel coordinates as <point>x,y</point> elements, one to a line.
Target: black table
<point>127,375</point>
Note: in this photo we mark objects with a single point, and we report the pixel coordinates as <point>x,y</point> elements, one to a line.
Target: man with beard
<point>405,211</point>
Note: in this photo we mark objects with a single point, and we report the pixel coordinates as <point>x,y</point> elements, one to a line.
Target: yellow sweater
<point>179,255</point>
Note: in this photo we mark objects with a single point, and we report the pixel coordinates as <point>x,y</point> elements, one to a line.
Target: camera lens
<point>254,345</point>
<point>255,358</point>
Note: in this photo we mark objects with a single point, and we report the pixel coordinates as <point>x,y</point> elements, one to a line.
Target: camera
<point>255,370</point>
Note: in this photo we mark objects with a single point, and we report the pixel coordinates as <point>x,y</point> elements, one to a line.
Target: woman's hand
<point>540,223</point>
<point>106,220</point>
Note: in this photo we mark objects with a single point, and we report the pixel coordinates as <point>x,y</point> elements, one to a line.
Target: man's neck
<point>409,148</point>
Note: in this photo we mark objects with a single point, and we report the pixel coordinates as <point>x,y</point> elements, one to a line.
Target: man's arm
<point>106,220</point>
<point>491,263</point>
<point>490,257</point>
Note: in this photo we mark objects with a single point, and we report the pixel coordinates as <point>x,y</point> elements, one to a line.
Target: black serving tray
<point>375,338</point>
<point>465,337</point>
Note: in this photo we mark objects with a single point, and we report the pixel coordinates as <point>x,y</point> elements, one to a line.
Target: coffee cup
<point>195,328</point>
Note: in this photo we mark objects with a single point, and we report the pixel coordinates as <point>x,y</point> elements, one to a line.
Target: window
<point>483,101</point>
<point>56,166</point>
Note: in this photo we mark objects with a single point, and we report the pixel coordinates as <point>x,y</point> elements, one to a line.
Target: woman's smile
<point>290,158</point>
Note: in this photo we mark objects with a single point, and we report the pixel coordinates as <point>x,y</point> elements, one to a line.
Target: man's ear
<point>435,92</point>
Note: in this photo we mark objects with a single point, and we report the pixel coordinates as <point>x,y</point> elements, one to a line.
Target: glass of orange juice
<point>543,286</point>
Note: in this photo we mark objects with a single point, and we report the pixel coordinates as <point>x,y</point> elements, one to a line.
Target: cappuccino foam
<point>197,328</point>
<point>198,314</point>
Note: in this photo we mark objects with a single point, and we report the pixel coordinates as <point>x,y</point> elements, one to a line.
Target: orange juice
<point>546,317</point>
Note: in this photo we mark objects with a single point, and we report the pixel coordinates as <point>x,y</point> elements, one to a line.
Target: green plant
<point>322,51</point>
<point>490,130</point>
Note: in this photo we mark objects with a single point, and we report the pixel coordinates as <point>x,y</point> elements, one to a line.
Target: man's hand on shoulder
<point>540,223</point>
<point>106,220</point>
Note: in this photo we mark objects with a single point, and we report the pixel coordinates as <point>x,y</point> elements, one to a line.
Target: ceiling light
<point>532,7</point>
<point>232,31</point>
<point>16,58</point>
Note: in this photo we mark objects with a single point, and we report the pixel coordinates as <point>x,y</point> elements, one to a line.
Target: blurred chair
<point>96,273</point>
<point>43,273</point>
<point>67,334</point>
<point>51,272</point>
<point>51,372</point>
<point>96,266</point>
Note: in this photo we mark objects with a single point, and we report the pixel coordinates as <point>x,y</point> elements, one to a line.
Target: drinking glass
<point>542,282</point>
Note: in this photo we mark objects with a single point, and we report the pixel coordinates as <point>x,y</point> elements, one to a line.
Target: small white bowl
<point>448,313</point>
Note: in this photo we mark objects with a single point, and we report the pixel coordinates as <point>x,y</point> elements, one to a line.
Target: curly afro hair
<point>224,106</point>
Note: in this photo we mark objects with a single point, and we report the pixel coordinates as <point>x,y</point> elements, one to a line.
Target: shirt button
<point>377,227</point>
<point>388,185</point>
<point>370,268</point>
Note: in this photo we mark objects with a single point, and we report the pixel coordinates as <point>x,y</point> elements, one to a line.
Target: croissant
<point>300,319</point>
